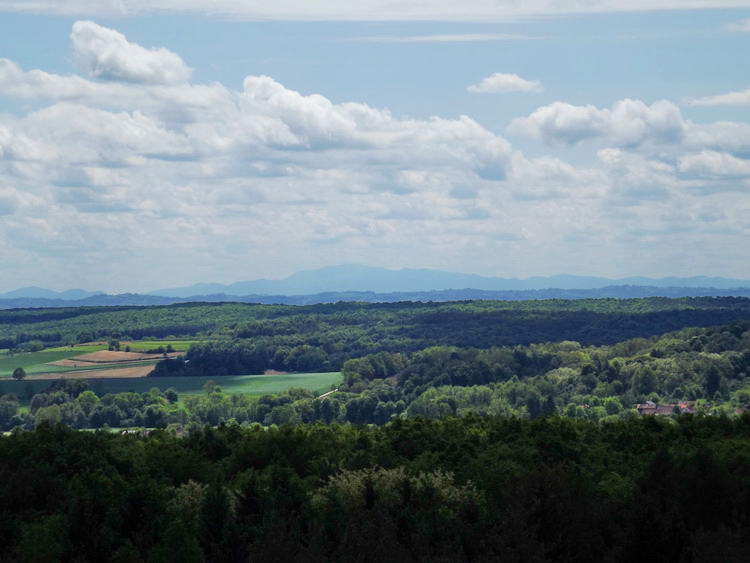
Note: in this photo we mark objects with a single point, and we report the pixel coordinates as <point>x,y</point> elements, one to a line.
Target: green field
<point>36,362</point>
<point>77,349</point>
<point>239,384</point>
<point>145,345</point>
<point>135,346</point>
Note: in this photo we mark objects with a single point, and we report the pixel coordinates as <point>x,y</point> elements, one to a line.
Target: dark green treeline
<point>468,489</point>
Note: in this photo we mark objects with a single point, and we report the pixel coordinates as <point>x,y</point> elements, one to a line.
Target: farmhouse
<point>649,407</point>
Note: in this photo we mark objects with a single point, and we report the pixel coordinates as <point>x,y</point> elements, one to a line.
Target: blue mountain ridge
<point>381,280</point>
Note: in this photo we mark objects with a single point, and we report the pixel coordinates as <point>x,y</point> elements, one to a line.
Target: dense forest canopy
<point>469,489</point>
<point>346,330</point>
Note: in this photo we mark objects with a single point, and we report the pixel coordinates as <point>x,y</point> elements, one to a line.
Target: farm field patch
<point>79,348</point>
<point>256,385</point>
<point>111,357</point>
<point>100,373</point>
<point>146,345</point>
<point>32,362</point>
<point>88,356</point>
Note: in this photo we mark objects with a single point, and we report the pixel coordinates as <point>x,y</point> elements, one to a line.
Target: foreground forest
<point>458,489</point>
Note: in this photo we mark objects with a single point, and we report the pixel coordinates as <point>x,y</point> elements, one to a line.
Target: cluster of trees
<point>707,366</point>
<point>457,489</point>
<point>75,404</point>
<point>323,337</point>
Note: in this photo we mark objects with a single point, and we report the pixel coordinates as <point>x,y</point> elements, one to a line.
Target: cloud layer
<point>362,10</point>
<point>131,176</point>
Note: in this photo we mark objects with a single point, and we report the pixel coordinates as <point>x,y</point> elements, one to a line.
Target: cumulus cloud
<point>201,167</point>
<point>628,122</point>
<point>204,179</point>
<point>108,55</point>
<point>501,83</point>
<point>362,10</point>
<point>714,164</point>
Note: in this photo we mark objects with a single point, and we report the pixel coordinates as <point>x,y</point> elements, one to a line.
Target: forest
<point>707,368</point>
<point>346,330</point>
<point>455,489</point>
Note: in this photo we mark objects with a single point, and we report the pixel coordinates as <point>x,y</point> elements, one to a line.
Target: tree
<point>712,381</point>
<point>19,374</point>
<point>171,395</point>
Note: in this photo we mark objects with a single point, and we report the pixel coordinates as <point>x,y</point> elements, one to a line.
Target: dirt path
<point>324,395</point>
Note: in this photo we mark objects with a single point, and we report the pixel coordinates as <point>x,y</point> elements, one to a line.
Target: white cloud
<point>200,167</point>
<point>108,55</point>
<point>501,83</point>
<point>714,164</point>
<point>727,136</point>
<point>628,122</point>
<point>739,98</point>
<point>208,182</point>
<point>362,10</point>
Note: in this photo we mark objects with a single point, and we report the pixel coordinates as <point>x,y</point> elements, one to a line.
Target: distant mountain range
<point>41,293</point>
<point>347,278</point>
<point>370,284</point>
<point>617,292</point>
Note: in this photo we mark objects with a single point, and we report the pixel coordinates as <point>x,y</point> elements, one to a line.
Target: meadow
<point>236,384</point>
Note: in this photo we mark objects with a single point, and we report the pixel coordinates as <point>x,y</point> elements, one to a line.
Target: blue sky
<point>610,143</point>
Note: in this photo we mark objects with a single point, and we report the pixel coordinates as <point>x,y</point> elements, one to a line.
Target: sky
<point>164,143</point>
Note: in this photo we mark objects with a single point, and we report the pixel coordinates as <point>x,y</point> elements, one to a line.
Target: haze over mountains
<point>34,292</point>
<point>367,283</point>
<point>381,280</point>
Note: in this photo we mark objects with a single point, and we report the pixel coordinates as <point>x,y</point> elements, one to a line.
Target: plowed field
<point>112,373</point>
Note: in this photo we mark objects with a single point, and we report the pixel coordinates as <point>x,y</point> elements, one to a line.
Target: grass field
<point>34,362</point>
<point>240,384</point>
<point>38,362</point>
<point>135,346</point>
<point>77,349</point>
<point>145,345</point>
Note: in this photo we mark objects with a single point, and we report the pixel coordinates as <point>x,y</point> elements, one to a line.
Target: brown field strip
<point>107,357</point>
<point>135,371</point>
